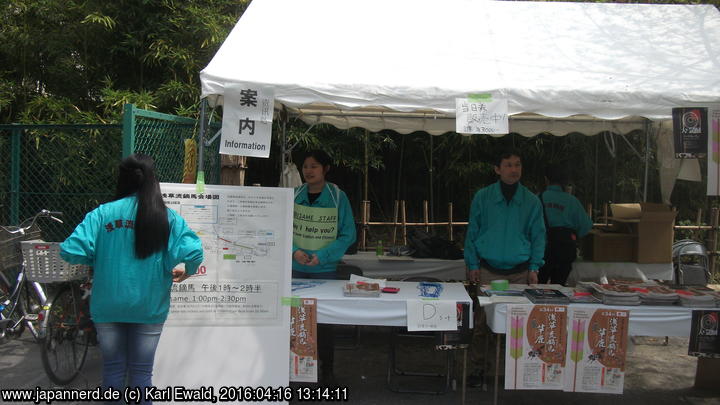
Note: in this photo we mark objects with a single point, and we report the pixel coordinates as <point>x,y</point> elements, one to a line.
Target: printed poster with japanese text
<point>303,341</point>
<point>245,233</point>
<point>535,347</point>
<point>596,350</point>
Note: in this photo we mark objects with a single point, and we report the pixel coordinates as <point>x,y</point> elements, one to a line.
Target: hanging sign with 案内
<point>247,120</point>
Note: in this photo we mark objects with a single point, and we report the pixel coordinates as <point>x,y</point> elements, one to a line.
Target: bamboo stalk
<point>396,207</point>
<point>450,221</point>
<point>363,230</point>
<point>698,222</point>
<point>403,215</point>
<point>425,215</point>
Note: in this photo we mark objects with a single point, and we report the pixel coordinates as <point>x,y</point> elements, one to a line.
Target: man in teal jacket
<point>505,238</point>
<point>566,222</point>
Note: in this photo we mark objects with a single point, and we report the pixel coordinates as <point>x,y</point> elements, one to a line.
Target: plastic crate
<point>44,264</point>
<point>10,252</point>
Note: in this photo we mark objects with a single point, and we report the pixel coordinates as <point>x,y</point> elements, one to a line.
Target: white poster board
<point>247,120</point>
<point>481,114</point>
<point>535,347</point>
<point>237,332</point>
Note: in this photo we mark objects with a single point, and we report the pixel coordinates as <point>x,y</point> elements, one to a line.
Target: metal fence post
<point>128,143</point>
<point>15,176</point>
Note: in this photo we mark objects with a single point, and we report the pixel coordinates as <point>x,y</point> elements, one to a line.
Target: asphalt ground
<point>656,374</point>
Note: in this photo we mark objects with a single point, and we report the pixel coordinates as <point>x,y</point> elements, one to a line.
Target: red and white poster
<point>535,350</point>
<point>596,350</point>
<point>303,341</point>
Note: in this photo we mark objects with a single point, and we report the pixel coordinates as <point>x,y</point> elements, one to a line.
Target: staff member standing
<point>505,240</point>
<point>323,229</point>
<point>566,222</point>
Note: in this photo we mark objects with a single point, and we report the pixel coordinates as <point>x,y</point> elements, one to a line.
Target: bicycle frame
<point>28,314</point>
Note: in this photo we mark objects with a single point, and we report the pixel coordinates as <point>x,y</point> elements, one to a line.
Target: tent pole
<point>430,165</point>
<point>201,135</point>
<point>365,168</point>
<point>647,158</point>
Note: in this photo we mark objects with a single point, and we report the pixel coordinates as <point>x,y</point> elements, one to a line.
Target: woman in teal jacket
<point>133,244</point>
<point>323,229</point>
<point>323,225</point>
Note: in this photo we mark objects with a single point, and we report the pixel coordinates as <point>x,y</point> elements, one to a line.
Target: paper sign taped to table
<point>423,315</point>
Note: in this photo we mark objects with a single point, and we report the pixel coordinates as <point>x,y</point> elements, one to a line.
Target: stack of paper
<point>361,289</point>
<point>657,295</point>
<point>621,294</point>
<point>697,297</point>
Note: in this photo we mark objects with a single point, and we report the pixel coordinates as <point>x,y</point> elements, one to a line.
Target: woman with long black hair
<point>133,243</point>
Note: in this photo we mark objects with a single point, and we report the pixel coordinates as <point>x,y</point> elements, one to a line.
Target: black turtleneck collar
<point>508,190</point>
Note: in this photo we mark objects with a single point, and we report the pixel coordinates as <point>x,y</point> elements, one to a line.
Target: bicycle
<point>63,327</point>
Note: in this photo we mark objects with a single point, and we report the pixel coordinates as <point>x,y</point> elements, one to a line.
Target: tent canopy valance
<point>363,62</point>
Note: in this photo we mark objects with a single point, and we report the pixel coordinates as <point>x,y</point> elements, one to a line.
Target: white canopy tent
<point>400,64</point>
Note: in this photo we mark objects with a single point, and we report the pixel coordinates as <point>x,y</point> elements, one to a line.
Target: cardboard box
<point>599,246</point>
<point>653,226</point>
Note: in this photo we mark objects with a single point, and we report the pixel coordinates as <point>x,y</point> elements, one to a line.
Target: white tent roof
<point>400,64</point>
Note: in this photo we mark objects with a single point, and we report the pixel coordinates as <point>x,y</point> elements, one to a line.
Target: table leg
<point>464,375</point>
<point>497,369</point>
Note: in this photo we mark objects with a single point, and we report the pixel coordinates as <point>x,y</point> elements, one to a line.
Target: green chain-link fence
<point>73,168</point>
<point>163,136</point>
<point>68,168</point>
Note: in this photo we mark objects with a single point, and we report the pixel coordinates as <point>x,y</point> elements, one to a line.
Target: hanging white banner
<point>247,120</point>
<point>481,114</point>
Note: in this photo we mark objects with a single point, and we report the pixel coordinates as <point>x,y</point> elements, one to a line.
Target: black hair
<point>319,155</point>
<point>506,154</point>
<point>136,175</point>
<point>556,174</point>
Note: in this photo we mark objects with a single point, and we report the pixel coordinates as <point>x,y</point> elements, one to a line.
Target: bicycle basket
<point>44,264</point>
<point>10,252</point>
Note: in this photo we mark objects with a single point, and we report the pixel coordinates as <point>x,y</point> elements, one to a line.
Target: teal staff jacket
<point>330,197</point>
<point>505,235</point>
<point>125,288</point>
<point>564,210</point>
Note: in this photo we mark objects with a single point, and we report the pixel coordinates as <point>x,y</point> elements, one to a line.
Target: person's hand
<point>314,261</point>
<point>301,257</point>
<point>179,275</point>
<point>474,275</point>
<point>533,277</point>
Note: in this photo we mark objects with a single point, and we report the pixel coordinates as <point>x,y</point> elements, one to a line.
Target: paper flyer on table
<point>535,347</point>
<point>596,350</point>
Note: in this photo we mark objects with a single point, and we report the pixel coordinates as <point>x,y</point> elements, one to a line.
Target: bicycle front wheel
<point>66,341</point>
<point>10,309</point>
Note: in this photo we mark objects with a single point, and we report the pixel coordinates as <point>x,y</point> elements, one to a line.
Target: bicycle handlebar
<point>42,213</point>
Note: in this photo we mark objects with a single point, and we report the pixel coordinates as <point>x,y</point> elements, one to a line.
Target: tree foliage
<point>76,61</point>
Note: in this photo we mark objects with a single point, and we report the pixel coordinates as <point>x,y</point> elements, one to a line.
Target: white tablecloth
<point>591,271</point>
<point>412,267</point>
<point>386,310</point>
<point>645,320</point>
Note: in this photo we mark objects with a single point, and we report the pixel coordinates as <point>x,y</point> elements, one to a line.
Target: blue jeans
<point>128,351</point>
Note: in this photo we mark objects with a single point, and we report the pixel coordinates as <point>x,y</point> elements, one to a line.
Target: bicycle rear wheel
<point>66,341</point>
<point>10,309</point>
